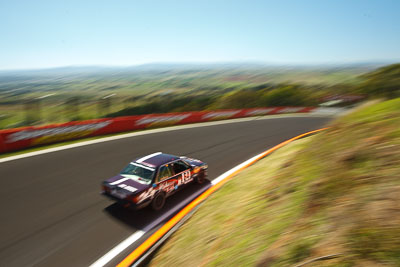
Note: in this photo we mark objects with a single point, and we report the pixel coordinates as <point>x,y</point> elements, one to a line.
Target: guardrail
<point>21,138</point>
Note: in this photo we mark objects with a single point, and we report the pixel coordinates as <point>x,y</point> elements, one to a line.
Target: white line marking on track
<point>130,240</point>
<point>104,260</point>
<point>144,132</point>
<point>118,249</point>
<point>238,167</point>
<point>138,234</point>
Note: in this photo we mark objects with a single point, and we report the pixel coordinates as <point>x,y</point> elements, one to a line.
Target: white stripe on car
<point>120,181</point>
<point>147,157</point>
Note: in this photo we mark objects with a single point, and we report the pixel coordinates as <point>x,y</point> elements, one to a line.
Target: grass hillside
<point>328,200</point>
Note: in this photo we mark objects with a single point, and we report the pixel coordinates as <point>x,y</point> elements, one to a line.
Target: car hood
<point>121,181</point>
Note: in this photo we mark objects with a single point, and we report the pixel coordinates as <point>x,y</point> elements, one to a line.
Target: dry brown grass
<point>331,200</point>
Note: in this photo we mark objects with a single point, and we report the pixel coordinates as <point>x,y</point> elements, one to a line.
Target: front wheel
<point>201,178</point>
<point>158,201</point>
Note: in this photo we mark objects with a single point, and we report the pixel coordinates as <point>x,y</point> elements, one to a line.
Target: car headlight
<point>105,188</point>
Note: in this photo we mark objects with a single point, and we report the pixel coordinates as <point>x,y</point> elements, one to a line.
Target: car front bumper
<point>126,203</point>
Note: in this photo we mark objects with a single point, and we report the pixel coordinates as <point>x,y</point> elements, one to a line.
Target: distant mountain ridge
<point>189,66</point>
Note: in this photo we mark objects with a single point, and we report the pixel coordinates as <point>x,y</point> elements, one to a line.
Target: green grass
<point>13,116</point>
<point>243,218</point>
<point>136,88</point>
<point>336,193</point>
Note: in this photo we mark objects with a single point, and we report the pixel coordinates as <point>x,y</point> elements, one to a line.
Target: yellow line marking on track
<point>220,181</point>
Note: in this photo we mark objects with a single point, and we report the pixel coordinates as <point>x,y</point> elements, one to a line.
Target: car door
<point>165,179</point>
<point>182,172</point>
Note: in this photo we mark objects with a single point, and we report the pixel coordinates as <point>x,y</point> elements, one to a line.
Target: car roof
<point>156,159</point>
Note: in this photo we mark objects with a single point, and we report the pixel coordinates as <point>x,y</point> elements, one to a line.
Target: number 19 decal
<point>186,176</point>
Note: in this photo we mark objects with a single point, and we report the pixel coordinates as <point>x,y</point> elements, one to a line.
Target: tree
<point>384,82</point>
<point>290,95</point>
<point>239,99</point>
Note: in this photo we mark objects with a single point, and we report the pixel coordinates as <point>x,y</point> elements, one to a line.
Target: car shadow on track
<point>146,219</point>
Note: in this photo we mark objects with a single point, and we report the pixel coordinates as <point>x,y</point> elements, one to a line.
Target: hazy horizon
<point>213,64</point>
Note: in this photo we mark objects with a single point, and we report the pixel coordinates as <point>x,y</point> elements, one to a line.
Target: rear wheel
<point>158,201</point>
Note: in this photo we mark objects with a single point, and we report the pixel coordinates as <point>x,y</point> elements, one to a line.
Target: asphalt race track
<point>51,210</point>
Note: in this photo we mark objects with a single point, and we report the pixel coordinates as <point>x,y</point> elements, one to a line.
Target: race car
<point>151,179</point>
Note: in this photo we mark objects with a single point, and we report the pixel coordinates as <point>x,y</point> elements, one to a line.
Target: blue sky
<point>41,34</point>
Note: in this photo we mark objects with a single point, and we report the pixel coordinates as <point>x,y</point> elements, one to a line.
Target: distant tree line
<point>212,93</point>
<point>383,82</point>
<point>284,95</point>
<point>170,104</point>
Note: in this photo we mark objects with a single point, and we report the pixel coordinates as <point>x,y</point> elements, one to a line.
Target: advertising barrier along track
<point>21,138</point>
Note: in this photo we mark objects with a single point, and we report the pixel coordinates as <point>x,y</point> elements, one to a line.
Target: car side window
<point>164,173</point>
<point>179,167</point>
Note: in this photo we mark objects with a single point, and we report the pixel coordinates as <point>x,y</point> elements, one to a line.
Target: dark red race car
<point>151,179</point>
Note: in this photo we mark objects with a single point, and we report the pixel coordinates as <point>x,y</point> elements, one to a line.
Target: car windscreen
<point>138,172</point>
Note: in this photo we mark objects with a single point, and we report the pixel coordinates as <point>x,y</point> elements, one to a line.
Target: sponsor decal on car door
<point>185,177</point>
<point>168,185</point>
